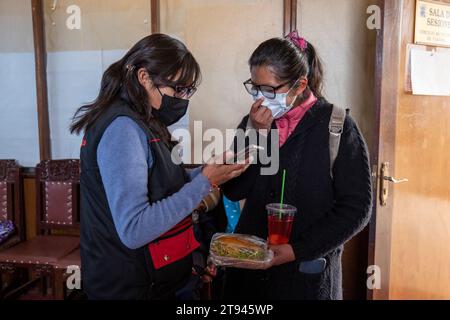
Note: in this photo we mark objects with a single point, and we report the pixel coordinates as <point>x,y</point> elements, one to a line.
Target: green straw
<point>282,190</point>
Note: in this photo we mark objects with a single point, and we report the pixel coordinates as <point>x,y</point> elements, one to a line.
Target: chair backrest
<point>11,198</point>
<point>57,195</point>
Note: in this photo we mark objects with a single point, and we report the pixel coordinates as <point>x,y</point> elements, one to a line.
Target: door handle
<point>384,185</point>
<point>395,181</point>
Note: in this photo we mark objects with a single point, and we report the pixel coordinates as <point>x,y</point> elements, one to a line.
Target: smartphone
<point>243,155</point>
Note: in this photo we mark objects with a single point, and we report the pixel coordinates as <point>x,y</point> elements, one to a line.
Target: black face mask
<point>172,110</point>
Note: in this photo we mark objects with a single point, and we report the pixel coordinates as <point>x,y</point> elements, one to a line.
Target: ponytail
<point>315,76</point>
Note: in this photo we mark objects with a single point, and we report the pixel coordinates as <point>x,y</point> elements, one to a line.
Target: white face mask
<point>278,105</point>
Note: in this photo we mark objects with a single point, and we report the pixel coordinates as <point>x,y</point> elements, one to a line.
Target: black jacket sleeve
<point>239,188</point>
<point>352,199</point>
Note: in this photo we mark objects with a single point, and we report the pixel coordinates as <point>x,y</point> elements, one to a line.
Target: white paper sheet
<point>430,73</point>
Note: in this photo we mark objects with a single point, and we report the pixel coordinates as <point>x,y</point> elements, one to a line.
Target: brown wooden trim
<point>41,78</point>
<point>20,207</point>
<point>28,172</point>
<point>387,73</point>
<point>376,144</point>
<point>154,7</point>
<point>290,16</point>
<point>39,204</point>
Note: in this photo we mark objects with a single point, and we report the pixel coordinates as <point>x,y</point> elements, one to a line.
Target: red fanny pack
<point>174,245</point>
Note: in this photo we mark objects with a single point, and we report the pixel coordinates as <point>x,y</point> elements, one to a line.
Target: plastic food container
<point>240,251</point>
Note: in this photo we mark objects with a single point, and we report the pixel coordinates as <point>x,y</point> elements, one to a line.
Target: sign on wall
<point>432,23</point>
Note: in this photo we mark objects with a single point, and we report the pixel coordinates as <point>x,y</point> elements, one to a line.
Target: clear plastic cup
<point>280,220</point>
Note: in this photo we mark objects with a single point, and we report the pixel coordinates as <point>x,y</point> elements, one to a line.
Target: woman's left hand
<point>281,254</point>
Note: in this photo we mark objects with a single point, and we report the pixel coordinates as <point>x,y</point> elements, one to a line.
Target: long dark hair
<point>164,58</point>
<point>289,61</point>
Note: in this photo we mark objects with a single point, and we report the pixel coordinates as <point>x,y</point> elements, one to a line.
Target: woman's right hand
<point>260,116</point>
<point>218,173</point>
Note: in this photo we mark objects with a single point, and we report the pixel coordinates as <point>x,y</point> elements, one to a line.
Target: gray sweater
<point>124,157</point>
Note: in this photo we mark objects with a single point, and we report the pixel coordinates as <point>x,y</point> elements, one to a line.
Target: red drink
<point>280,219</point>
<point>280,229</point>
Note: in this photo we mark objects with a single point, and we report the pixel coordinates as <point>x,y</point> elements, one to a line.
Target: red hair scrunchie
<point>298,41</point>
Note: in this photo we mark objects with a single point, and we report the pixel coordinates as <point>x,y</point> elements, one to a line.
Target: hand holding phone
<point>244,155</point>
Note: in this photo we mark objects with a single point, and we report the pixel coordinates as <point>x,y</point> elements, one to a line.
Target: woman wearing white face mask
<point>333,201</point>
<point>268,96</point>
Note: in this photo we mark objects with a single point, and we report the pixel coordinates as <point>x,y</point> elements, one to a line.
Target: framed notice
<point>432,23</point>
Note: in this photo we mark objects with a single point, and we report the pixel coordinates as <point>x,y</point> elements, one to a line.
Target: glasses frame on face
<point>268,92</point>
<point>183,92</point>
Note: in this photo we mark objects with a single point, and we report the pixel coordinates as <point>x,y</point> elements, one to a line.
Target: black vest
<point>110,270</point>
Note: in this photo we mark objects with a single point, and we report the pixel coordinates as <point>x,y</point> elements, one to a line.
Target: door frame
<point>388,57</point>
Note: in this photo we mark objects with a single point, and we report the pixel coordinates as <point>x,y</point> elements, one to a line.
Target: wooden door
<point>410,234</point>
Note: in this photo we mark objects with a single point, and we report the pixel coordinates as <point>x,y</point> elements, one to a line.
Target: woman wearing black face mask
<point>136,203</point>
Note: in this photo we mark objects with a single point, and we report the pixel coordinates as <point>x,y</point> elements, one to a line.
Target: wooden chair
<point>11,200</point>
<point>60,274</point>
<point>57,198</point>
<point>11,209</point>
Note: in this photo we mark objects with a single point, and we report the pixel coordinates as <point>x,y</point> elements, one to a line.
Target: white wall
<point>222,35</point>
<point>77,59</point>
<point>338,30</point>
<point>19,137</point>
